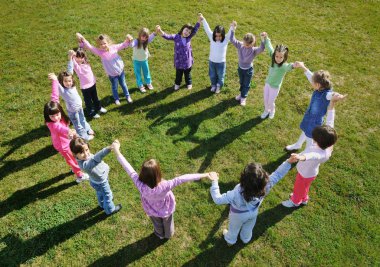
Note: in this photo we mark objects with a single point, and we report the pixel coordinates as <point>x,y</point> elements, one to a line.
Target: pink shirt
<point>84,72</point>
<point>158,201</point>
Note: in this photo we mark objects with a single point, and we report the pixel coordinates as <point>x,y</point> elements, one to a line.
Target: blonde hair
<point>104,37</point>
<point>323,78</point>
<point>143,32</point>
<point>250,39</point>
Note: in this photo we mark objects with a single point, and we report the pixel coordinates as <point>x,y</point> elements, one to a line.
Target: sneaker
<point>90,137</point>
<point>217,91</point>
<point>271,114</point>
<point>303,202</point>
<point>238,97</point>
<point>150,86</point>
<point>243,101</point>
<point>84,177</point>
<point>142,89</point>
<point>117,102</point>
<point>264,114</point>
<point>103,110</point>
<point>225,231</point>
<point>129,99</point>
<point>213,88</point>
<point>289,204</point>
<point>117,209</point>
<point>176,87</point>
<point>189,86</point>
<point>91,132</point>
<point>96,116</point>
<point>292,147</point>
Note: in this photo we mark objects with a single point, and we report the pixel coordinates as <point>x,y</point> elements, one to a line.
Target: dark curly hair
<point>253,180</point>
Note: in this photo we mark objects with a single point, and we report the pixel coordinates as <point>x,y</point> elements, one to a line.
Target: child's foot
<point>292,147</point>
<point>90,137</point>
<point>150,86</point>
<point>176,87</point>
<point>271,114</point>
<point>225,231</point>
<point>303,202</point>
<point>117,102</point>
<point>264,114</point>
<point>213,88</point>
<point>91,132</point>
<point>217,91</point>
<point>117,209</point>
<point>102,110</point>
<point>243,101</point>
<point>189,86</point>
<point>142,89</point>
<point>96,116</point>
<point>129,99</point>
<point>289,204</point>
<point>84,177</point>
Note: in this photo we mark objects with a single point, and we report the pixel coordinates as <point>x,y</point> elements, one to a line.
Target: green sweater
<point>276,74</point>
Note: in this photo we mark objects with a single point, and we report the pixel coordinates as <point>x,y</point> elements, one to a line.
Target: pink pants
<point>71,161</point>
<point>270,95</point>
<point>301,189</point>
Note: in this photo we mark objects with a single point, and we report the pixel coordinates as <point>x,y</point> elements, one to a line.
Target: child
<point>112,62</point>
<point>58,123</point>
<point>98,171</point>
<point>157,198</point>
<point>246,198</point>
<point>79,63</point>
<point>324,137</point>
<point>183,54</point>
<point>246,52</point>
<point>218,50</point>
<point>320,81</point>
<point>277,71</point>
<point>140,58</point>
<point>69,93</point>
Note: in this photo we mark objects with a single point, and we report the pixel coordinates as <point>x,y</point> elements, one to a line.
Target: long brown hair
<point>143,32</point>
<point>52,108</point>
<point>253,180</point>
<point>150,173</point>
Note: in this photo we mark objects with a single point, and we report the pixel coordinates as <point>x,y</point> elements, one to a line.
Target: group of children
<point>156,193</point>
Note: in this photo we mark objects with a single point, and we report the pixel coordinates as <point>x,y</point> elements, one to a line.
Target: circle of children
<point>156,193</point>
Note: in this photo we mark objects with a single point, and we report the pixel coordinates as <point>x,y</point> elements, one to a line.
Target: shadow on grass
<point>222,255</point>
<point>18,251</point>
<point>210,147</point>
<point>12,166</point>
<point>131,252</point>
<point>23,197</point>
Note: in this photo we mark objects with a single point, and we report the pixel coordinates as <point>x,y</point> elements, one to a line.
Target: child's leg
<point>273,93</point>
<point>301,189</point>
<point>234,226</point>
<point>99,193</point>
<point>178,76</point>
<point>137,69</point>
<point>187,73</point>
<point>212,72</point>
<point>298,144</point>
<point>246,82</point>
<point>309,142</point>
<point>72,162</point>
<point>247,227</point>
<point>221,73</point>
<point>168,223</point>
<point>146,72</point>
<point>108,204</point>
<point>241,79</point>
<point>158,225</point>
<point>266,97</point>
<point>114,81</point>
<point>123,84</point>
<point>94,98</point>
<point>88,101</point>
<point>77,123</point>
<point>83,122</point>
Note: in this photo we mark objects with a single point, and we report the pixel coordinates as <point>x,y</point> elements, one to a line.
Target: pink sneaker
<point>150,86</point>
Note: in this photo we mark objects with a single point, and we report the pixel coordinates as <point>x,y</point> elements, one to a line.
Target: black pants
<point>91,100</point>
<point>179,73</point>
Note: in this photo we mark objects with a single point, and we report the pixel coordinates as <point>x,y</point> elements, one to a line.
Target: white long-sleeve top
<point>218,50</point>
<point>315,155</point>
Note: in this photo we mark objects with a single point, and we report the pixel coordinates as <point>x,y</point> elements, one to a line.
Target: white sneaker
<point>117,102</point>
<point>289,204</point>
<point>190,86</point>
<point>142,89</point>
<point>243,101</point>
<point>84,177</point>
<point>217,91</point>
<point>213,88</point>
<point>176,87</point>
<point>150,86</point>
<point>103,110</point>
<point>292,147</point>
<point>129,99</point>
<point>264,114</point>
<point>91,132</point>
<point>303,202</point>
<point>96,116</point>
<point>238,97</point>
<point>271,114</point>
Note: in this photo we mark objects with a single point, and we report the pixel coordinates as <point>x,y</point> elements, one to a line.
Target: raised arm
<point>70,64</point>
<point>268,45</point>
<point>124,44</point>
<point>279,173</point>
<point>220,199</point>
<point>207,29</point>
<point>194,31</point>
<point>84,43</point>
<point>124,163</point>
<point>233,40</point>
<point>260,49</point>
<point>54,87</point>
<point>98,157</point>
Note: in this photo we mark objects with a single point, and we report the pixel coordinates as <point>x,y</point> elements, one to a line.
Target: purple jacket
<point>183,54</point>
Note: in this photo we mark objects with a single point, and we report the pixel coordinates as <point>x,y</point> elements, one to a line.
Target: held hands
<point>200,17</point>
<point>337,97</point>
<point>299,64</point>
<point>233,25</point>
<point>79,37</point>
<point>159,30</point>
<point>52,76</point>
<point>213,176</point>
<point>71,53</point>
<point>263,36</point>
<point>295,158</point>
<point>129,38</point>
<point>115,146</point>
<point>72,134</point>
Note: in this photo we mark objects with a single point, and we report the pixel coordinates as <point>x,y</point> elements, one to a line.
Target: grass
<point>48,220</point>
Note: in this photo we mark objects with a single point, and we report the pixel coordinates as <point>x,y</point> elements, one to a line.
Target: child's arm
<point>260,49</point>
<point>151,37</point>
<point>98,157</point>
<point>87,45</point>
<point>265,39</point>
<point>220,199</point>
<point>169,185</point>
<point>307,72</point>
<point>196,27</point>
<point>128,40</point>
<point>54,87</point>
<point>124,163</point>
<point>279,173</point>
<point>233,40</point>
<point>165,35</point>
<point>70,64</point>
<point>207,29</point>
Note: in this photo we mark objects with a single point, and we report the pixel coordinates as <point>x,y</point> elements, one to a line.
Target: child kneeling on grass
<point>98,171</point>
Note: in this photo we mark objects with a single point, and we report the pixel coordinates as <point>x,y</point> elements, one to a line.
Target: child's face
<point>103,44</point>
<point>279,57</point>
<point>79,60</point>
<point>68,81</point>
<point>316,86</point>
<point>55,117</point>
<point>186,32</point>
<point>85,154</point>
<point>143,38</point>
<point>218,37</point>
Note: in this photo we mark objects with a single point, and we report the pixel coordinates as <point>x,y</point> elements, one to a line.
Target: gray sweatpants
<point>163,227</point>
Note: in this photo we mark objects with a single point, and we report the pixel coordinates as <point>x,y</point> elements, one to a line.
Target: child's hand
<point>200,17</point>
<point>129,37</point>
<point>263,36</point>
<point>72,134</point>
<point>293,158</point>
<point>79,37</point>
<point>115,146</point>
<point>159,30</point>
<point>234,25</point>
<point>52,77</point>
<point>299,64</point>
<point>71,53</point>
<point>337,97</point>
<point>213,176</point>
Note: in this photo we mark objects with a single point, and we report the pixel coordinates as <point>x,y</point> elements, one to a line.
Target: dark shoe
<point>117,208</point>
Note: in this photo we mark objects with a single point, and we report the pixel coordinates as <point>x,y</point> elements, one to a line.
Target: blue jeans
<point>104,195</point>
<point>245,77</point>
<point>80,124</point>
<point>243,223</point>
<point>137,66</point>
<point>121,79</point>
<point>217,71</point>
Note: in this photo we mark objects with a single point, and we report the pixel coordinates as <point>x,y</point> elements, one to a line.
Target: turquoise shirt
<point>276,74</point>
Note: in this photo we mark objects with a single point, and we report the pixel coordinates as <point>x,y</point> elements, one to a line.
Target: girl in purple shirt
<point>156,193</point>
<point>183,54</point>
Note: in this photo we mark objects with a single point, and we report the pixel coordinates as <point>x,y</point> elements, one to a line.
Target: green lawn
<point>48,220</point>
